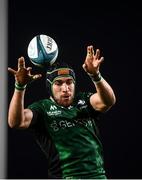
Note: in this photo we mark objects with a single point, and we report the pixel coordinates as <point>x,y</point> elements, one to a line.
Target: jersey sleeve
<point>38,114</point>
<point>37,127</point>
<point>86,96</point>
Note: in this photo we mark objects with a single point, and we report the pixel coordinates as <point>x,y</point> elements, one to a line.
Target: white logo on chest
<point>52,107</point>
<point>53,111</point>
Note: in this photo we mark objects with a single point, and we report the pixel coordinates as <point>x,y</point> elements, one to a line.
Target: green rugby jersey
<point>68,137</point>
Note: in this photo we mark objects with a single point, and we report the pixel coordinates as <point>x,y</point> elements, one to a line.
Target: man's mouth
<point>65,96</point>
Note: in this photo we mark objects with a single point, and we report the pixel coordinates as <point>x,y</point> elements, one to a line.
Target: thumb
<point>12,71</point>
<point>84,67</point>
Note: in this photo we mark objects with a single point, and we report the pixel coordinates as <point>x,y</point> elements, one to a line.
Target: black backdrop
<point>117,32</point>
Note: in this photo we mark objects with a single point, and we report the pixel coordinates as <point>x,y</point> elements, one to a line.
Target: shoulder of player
<point>83,95</point>
<point>41,103</point>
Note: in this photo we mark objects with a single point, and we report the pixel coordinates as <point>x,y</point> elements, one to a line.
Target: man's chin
<point>66,104</point>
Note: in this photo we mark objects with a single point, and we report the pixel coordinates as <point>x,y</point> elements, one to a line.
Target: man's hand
<point>23,75</point>
<point>93,60</point>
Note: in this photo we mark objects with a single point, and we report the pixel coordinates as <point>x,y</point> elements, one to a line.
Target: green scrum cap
<point>58,70</point>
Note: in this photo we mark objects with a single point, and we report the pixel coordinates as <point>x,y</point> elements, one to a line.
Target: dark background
<point>73,25</point>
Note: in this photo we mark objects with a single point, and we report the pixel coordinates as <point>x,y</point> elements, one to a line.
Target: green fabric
<point>73,130</point>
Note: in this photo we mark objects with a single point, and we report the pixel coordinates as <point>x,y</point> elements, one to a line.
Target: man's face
<point>63,91</point>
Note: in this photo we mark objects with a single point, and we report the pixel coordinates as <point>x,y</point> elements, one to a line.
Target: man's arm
<point>18,117</point>
<point>104,98</point>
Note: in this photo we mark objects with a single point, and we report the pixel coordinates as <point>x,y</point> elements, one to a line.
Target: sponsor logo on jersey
<point>63,124</point>
<point>81,104</point>
<point>53,107</point>
<point>53,111</point>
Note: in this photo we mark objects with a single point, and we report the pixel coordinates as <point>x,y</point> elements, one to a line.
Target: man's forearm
<point>16,108</point>
<point>105,92</point>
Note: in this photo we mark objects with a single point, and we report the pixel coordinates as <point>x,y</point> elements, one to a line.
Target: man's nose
<point>64,87</point>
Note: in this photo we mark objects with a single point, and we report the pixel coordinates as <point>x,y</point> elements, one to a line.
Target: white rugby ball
<point>42,50</point>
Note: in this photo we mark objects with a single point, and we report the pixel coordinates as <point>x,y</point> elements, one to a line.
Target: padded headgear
<point>58,70</point>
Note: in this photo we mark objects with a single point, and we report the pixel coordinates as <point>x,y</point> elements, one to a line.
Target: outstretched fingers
<point>102,59</point>
<point>90,51</point>
<point>21,63</point>
<point>12,71</point>
<point>84,67</point>
<point>36,76</point>
<point>33,77</point>
<point>29,70</point>
<point>97,54</point>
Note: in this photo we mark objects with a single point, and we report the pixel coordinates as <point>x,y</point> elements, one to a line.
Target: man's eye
<point>58,83</point>
<point>69,82</point>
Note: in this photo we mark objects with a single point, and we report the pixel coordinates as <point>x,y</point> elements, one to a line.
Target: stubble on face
<point>64,98</point>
